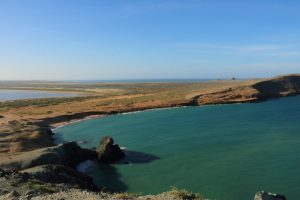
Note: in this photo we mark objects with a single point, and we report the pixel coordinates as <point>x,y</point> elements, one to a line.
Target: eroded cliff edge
<point>277,87</point>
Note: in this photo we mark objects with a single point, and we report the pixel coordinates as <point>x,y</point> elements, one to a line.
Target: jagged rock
<point>108,152</point>
<point>14,174</point>
<point>268,196</point>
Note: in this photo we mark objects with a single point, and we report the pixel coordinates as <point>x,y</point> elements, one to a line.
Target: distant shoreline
<point>159,80</point>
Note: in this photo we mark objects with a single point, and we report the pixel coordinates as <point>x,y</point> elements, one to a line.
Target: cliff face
<point>276,87</point>
<point>231,95</point>
<point>281,86</point>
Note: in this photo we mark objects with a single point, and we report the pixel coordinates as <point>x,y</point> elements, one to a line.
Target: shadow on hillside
<point>273,88</point>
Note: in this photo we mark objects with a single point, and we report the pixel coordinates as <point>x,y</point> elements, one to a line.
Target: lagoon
<point>6,95</point>
<point>224,152</point>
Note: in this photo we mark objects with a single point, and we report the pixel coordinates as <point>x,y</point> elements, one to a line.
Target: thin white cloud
<point>263,49</point>
<point>258,48</point>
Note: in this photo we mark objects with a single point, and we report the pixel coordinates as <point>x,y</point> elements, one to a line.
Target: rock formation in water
<point>108,152</point>
<point>268,196</point>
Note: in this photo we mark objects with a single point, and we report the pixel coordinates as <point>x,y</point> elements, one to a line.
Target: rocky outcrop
<point>281,86</point>
<point>42,180</point>
<point>61,182</point>
<point>276,87</point>
<point>268,196</point>
<point>46,191</point>
<point>108,152</point>
<point>61,174</point>
<point>69,154</point>
<point>76,154</point>
<point>231,95</point>
<point>13,173</point>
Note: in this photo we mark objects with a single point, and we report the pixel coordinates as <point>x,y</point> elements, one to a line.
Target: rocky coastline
<point>40,167</point>
<point>282,86</point>
<point>50,173</point>
<point>54,168</point>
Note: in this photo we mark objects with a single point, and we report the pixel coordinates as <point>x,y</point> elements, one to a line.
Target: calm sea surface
<point>6,95</point>
<point>225,152</point>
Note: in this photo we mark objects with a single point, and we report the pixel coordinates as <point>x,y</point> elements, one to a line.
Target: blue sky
<point>119,39</point>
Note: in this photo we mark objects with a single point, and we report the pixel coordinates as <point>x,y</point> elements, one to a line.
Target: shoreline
<point>65,123</point>
<point>55,126</point>
<point>75,111</point>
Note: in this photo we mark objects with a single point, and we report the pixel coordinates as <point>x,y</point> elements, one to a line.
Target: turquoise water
<point>6,95</point>
<point>225,152</point>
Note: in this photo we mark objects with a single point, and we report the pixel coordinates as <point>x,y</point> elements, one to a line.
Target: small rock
<point>268,196</point>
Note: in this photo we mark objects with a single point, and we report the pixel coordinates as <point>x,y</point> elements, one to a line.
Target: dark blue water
<point>226,152</point>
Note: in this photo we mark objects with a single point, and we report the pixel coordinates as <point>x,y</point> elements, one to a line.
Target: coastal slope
<point>263,90</point>
<point>25,124</point>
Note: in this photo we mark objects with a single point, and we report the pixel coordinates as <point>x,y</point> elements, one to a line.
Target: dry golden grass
<point>117,97</point>
<point>95,99</point>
